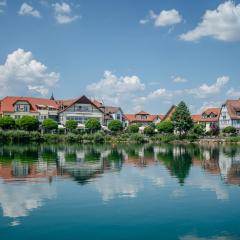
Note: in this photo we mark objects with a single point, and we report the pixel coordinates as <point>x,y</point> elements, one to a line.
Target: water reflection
<point>27,172</point>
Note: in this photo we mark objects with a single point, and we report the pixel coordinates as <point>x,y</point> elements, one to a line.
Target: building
<point>110,112</point>
<point>169,113</point>
<point>142,118</point>
<point>81,110</point>
<point>17,107</point>
<point>230,114</point>
<point>208,118</point>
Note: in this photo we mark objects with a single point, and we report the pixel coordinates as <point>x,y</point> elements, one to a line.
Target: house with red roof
<point>209,118</point>
<point>17,107</point>
<point>81,110</point>
<point>142,118</point>
<point>230,114</point>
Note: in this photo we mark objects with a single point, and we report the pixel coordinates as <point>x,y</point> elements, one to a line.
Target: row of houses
<point>83,108</point>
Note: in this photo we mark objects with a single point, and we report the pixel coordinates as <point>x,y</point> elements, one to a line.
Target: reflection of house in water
<point>229,164</point>
<point>84,165</point>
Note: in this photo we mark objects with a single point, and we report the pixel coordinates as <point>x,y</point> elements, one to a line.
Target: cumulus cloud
<point>27,9</point>
<point>233,93</point>
<point>209,104</point>
<point>111,87</point>
<point>206,90</point>
<point>179,79</point>
<point>222,24</point>
<point>21,73</point>
<point>63,13</point>
<point>164,18</point>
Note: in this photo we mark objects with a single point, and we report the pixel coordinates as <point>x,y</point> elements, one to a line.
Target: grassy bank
<point>19,136</point>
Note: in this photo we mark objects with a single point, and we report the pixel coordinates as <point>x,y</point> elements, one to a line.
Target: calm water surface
<point>119,192</point>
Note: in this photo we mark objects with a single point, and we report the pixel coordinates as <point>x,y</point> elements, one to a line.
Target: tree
<point>149,130</point>
<point>7,122</point>
<point>198,129</point>
<point>28,123</point>
<point>230,130</point>
<point>71,125</point>
<point>165,127</point>
<point>181,119</point>
<point>93,124</point>
<point>133,128</point>
<point>49,124</point>
<point>115,126</point>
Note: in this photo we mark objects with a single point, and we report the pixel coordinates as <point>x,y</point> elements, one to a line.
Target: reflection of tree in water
<point>178,160</point>
<point>92,156</point>
<point>149,151</point>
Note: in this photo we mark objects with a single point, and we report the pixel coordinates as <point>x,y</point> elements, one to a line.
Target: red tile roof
<point>196,118</point>
<point>7,103</point>
<point>134,118</point>
<point>233,106</point>
<point>208,111</point>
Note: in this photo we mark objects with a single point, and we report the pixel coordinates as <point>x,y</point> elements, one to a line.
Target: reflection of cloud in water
<point>207,182</point>
<point>129,181</point>
<point>177,193</point>
<point>194,237</point>
<point>17,200</point>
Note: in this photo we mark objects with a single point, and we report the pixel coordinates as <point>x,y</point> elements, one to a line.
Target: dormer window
<point>22,107</point>
<point>238,113</point>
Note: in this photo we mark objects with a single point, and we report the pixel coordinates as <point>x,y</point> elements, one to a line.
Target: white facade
<point>225,120</point>
<point>81,112</point>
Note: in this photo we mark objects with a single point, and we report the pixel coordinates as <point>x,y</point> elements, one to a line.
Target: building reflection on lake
<point>27,172</point>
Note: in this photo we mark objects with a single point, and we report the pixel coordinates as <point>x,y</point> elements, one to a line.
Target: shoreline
<point>101,137</point>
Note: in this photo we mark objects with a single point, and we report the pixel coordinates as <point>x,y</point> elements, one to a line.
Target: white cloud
<point>220,237</point>
<point>21,73</point>
<point>160,93</point>
<point>206,90</point>
<point>3,3</point>
<point>63,13</point>
<point>164,18</point>
<point>209,104</point>
<point>179,79</point>
<point>27,9</point>
<point>222,23</point>
<point>233,93</point>
<point>116,88</point>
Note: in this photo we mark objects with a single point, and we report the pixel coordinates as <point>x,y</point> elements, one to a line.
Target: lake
<point>119,192</point>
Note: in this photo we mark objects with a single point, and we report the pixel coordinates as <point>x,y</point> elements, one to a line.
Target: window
<point>22,108</point>
<point>119,116</point>
<point>238,113</point>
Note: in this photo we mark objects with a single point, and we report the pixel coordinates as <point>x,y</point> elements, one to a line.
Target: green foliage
<point>137,137</point>
<point>198,129</point>
<point>71,125</point>
<point>165,127</point>
<point>133,128</point>
<point>93,124</point>
<point>181,119</point>
<point>167,138</point>
<point>28,123</point>
<point>7,122</point>
<point>230,130</point>
<point>49,125</point>
<point>98,137</point>
<point>235,139</point>
<point>149,130</point>
<point>115,126</point>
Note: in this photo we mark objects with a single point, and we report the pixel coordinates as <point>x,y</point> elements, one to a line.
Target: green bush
<point>115,126</point>
<point>93,124</point>
<point>49,125</point>
<point>7,122</point>
<point>165,127</point>
<point>230,130</point>
<point>133,128</point>
<point>149,130</point>
<point>98,137</point>
<point>28,123</point>
<point>233,139</point>
<point>168,138</point>
<point>137,137</point>
<point>71,138</point>
<point>87,137</point>
<point>71,125</point>
<point>198,130</point>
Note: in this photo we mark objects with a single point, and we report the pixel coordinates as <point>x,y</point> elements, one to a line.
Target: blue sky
<point>136,54</point>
